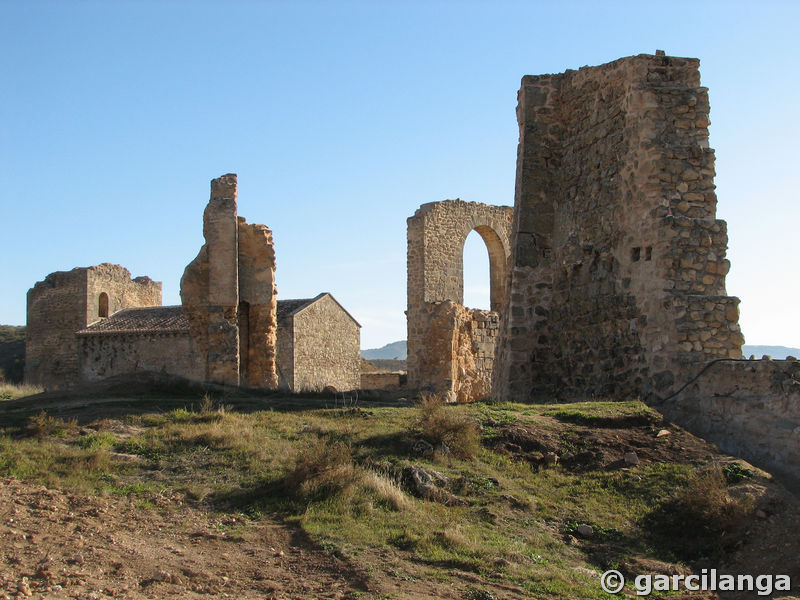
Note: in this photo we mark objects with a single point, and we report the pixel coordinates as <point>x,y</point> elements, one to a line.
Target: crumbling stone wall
<point>459,348</point>
<point>106,355</point>
<point>257,305</point>
<point>450,347</point>
<point>228,294</point>
<point>67,301</point>
<point>617,276</point>
<point>749,408</point>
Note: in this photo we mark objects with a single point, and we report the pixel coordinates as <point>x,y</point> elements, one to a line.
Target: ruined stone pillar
<point>229,295</point>
<point>221,233</point>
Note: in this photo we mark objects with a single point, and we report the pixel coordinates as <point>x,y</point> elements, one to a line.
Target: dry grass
<point>387,491</point>
<point>43,425</point>
<point>447,430</point>
<point>708,503</point>
<point>325,469</point>
<point>12,391</point>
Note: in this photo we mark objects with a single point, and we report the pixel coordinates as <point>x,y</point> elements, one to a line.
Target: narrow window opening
<point>636,254</point>
<point>102,306</point>
<point>648,253</point>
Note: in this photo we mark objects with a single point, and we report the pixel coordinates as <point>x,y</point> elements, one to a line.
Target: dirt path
<point>59,545</point>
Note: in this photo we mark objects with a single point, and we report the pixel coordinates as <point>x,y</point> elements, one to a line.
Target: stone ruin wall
<point>229,296</point>
<point>382,381</point>
<point>258,296</point>
<point>749,408</point>
<point>617,276</point>
<point>284,363</point>
<point>110,354</point>
<point>67,301</point>
<point>450,347</point>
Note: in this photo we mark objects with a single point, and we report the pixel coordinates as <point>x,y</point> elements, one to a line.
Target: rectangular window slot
<point>648,253</point>
<point>636,254</point>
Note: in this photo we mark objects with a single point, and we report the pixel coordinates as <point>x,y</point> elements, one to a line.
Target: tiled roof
<point>288,307</point>
<point>148,319</point>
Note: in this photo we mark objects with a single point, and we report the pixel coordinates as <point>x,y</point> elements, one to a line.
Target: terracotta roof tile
<point>148,319</point>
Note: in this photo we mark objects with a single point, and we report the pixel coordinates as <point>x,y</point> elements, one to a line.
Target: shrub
<point>706,502</point>
<point>734,473</point>
<point>323,469</point>
<point>97,441</point>
<point>43,425</point>
<point>442,427</point>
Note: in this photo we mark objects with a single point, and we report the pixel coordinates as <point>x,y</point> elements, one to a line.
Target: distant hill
<point>776,352</point>
<point>12,353</point>
<point>395,350</point>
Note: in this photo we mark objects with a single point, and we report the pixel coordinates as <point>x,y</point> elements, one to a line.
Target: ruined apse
<point>616,284</point>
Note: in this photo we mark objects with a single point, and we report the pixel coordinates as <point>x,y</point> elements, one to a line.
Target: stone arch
<point>436,236</point>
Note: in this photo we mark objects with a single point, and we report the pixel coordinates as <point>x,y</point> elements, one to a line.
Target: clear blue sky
<point>340,119</point>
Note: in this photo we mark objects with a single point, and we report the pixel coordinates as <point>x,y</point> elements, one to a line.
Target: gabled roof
<point>146,319</point>
<point>286,308</point>
<point>289,308</point>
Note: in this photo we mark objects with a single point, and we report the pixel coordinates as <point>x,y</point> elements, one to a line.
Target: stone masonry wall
<point>381,381</point>
<point>749,408</point>
<point>618,264</point>
<point>106,355</point>
<point>56,310</point>
<point>436,236</point>
<point>67,301</point>
<point>284,360</point>
<point>122,291</point>
<point>327,347</point>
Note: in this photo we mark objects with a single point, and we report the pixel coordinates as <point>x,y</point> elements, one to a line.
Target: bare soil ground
<point>60,545</point>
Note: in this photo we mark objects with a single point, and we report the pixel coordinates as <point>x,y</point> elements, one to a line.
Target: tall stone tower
<point>617,274</point>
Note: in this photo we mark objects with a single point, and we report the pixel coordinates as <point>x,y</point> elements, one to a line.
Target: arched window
<point>477,291</point>
<point>102,305</point>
